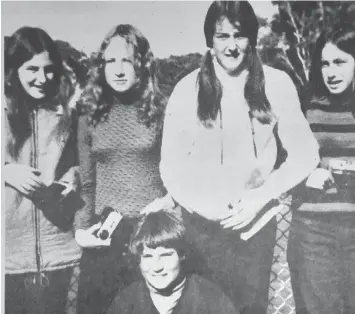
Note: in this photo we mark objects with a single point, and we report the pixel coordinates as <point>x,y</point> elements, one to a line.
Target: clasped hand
<point>23,178</point>
<point>28,181</point>
<point>241,213</point>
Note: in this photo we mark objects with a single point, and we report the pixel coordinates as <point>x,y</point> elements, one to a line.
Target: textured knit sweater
<point>334,129</point>
<point>119,164</point>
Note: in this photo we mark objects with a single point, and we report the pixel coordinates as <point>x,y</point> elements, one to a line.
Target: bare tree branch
<point>294,42</point>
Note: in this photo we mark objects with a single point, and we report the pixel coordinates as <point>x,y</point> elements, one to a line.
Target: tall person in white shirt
<point>234,140</point>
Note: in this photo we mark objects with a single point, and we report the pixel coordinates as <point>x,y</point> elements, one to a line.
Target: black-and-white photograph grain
<point>178,157</point>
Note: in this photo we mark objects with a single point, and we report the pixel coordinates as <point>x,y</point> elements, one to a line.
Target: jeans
<point>241,268</point>
<point>321,257</point>
<point>36,298</point>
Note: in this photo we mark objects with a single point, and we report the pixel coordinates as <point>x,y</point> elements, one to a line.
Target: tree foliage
<point>294,30</point>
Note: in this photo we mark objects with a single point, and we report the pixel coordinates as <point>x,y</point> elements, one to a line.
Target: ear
<point>213,52</point>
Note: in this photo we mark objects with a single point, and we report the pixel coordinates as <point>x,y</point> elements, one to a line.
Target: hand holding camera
<point>100,234</point>
<point>87,238</point>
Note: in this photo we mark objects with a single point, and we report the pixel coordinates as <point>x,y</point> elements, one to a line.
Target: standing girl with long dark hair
<point>234,140</point>
<point>40,123</point>
<point>321,250</point>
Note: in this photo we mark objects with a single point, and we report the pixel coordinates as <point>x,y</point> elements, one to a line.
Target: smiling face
<point>229,46</point>
<point>160,266</point>
<point>36,75</point>
<point>338,69</point>
<point>119,69</point>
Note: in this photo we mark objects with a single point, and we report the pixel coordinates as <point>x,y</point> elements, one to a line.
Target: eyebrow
<point>333,60</point>
<point>236,31</point>
<point>168,251</point>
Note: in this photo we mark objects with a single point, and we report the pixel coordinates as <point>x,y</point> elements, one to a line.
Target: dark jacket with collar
<point>200,296</point>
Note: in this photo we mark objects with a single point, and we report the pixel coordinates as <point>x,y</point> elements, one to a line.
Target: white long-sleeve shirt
<point>192,167</point>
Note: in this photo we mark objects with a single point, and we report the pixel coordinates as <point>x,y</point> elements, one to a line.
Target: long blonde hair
<point>98,97</point>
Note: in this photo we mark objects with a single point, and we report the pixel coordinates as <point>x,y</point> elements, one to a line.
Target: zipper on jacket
<point>42,278</point>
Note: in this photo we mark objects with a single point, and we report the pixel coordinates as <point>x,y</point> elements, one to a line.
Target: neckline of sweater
<point>230,83</point>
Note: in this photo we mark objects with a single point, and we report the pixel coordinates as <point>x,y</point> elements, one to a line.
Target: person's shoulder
<point>184,96</point>
<point>123,299</point>
<point>206,286</point>
<point>133,287</point>
<point>275,75</point>
<point>212,296</point>
<point>280,90</point>
<point>188,82</point>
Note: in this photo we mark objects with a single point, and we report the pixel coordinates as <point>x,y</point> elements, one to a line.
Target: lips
<point>40,89</point>
<point>36,86</point>
<point>160,275</point>
<point>333,83</point>
<point>120,81</point>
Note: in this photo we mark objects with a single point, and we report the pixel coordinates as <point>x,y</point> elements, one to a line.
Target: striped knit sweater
<point>334,129</point>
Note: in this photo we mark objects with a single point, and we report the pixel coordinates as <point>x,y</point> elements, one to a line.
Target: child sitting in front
<point>166,287</point>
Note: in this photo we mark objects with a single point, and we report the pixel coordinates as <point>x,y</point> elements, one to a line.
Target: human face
<point>229,46</point>
<point>36,74</point>
<point>119,69</point>
<point>160,266</point>
<point>338,69</point>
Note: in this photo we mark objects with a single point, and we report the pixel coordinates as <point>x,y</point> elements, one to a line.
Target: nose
<point>232,44</point>
<point>120,71</point>
<point>41,76</point>
<point>330,75</point>
<point>157,266</point>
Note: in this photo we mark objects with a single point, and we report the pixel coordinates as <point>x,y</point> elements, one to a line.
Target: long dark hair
<point>98,97</point>
<point>21,47</point>
<point>343,36</point>
<point>210,88</point>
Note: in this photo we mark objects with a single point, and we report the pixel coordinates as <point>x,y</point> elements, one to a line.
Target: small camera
<point>110,220</point>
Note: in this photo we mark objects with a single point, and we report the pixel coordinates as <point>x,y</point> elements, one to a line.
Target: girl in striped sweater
<point>322,241</point>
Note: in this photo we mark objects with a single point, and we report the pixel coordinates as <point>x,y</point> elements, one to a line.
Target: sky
<point>172,27</point>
